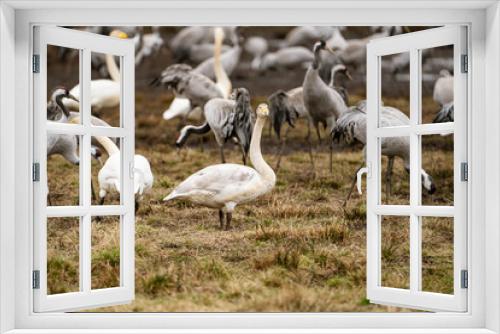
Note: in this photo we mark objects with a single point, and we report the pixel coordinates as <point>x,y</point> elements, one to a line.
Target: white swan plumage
<point>224,186</point>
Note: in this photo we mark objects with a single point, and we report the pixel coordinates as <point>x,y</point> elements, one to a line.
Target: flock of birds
<point>204,94</point>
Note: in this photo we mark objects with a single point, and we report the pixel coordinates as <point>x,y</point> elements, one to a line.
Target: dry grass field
<point>296,249</point>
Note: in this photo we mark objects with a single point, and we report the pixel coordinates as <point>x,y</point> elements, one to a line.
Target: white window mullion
<point>127,221</point>
<point>415,158</point>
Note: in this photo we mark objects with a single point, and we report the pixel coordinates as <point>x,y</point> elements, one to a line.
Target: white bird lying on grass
<point>223,186</point>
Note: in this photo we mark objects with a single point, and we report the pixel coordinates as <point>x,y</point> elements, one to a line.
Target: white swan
<point>109,175</point>
<point>104,93</point>
<point>181,107</point>
<point>224,186</point>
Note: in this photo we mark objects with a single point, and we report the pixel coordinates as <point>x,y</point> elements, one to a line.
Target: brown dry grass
<point>295,249</point>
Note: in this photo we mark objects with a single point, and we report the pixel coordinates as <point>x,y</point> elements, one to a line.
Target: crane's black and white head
<point>61,92</point>
<point>56,109</point>
<point>172,75</point>
<point>281,111</point>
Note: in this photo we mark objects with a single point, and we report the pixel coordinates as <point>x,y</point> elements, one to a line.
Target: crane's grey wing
<point>446,114</point>
<point>351,126</point>
<point>220,115</point>
<point>229,61</point>
<point>198,89</point>
<point>391,116</point>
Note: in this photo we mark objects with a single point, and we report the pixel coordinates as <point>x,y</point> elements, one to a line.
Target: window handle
<point>364,170</point>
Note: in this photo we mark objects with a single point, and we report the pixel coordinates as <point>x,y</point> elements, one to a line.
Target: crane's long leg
<point>93,191</point>
<point>353,184</point>
<point>309,144</point>
<point>281,149</point>
<point>388,177</point>
<point>331,157</point>
<point>229,216</point>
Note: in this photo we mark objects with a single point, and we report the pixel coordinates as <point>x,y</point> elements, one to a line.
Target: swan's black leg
<point>229,216</point>
<point>221,219</point>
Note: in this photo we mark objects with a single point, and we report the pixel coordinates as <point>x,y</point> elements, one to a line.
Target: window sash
<point>87,297</point>
<point>414,297</point>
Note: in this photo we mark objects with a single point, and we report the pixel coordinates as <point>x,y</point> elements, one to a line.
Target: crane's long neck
<point>317,58</point>
<point>256,158</point>
<point>108,145</point>
<point>113,69</point>
<point>221,77</point>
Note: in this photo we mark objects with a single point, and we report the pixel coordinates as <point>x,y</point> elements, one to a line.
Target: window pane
<point>106,170</point>
<point>105,252</point>
<point>437,84</point>
<point>63,75</point>
<point>395,251</point>
<point>394,170</point>
<point>63,169</point>
<point>437,173</point>
<point>437,254</point>
<point>105,89</point>
<point>395,87</point>
<point>63,245</point>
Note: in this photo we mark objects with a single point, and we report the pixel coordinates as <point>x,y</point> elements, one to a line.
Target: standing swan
<point>104,93</point>
<point>224,186</point>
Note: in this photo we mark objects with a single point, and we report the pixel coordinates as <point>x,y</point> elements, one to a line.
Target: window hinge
<point>36,172</point>
<point>36,279</point>
<point>464,171</point>
<point>465,64</point>
<point>464,279</point>
<point>36,63</point>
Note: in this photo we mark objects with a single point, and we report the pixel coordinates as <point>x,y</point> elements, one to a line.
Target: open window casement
<point>83,211</point>
<point>411,215</point>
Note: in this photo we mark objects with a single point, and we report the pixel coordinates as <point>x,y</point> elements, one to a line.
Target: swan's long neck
<point>108,145</point>
<point>256,158</point>
<point>221,77</point>
<point>113,69</point>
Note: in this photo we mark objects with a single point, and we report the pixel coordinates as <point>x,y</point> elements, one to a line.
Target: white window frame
<point>16,21</point>
<point>414,211</point>
<point>85,297</point>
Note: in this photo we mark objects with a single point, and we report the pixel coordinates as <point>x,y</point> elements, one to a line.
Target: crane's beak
<point>329,49</point>
<point>71,97</point>
<point>348,74</point>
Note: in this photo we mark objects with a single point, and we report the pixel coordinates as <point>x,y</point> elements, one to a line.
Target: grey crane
<point>323,102</point>
<point>289,106</point>
<point>351,127</point>
<point>257,46</point>
<point>195,87</point>
<point>227,118</point>
<point>287,58</point>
